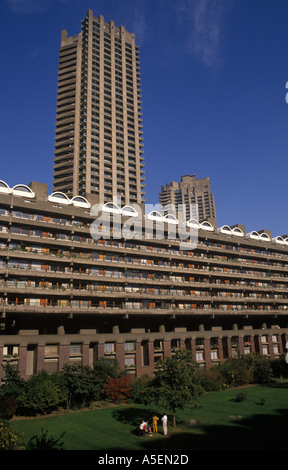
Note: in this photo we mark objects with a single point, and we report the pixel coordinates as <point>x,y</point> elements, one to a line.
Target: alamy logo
<point>129,222</point>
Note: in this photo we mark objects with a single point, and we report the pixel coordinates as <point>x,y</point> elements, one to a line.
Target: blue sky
<point>213,73</point>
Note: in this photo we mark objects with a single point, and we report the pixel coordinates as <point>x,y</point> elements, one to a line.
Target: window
<point>75,349</point>
<point>51,350</point>
<point>130,346</point>
<point>214,355</point>
<point>199,356</point>
<point>10,351</point>
<point>130,362</point>
<point>109,348</point>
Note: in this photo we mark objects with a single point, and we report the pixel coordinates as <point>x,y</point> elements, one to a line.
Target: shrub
<point>260,367</point>
<point>8,406</point>
<point>117,389</point>
<point>236,372</point>
<point>9,440</point>
<point>212,380</point>
<point>45,442</point>
<point>240,397</point>
<point>140,389</point>
<point>42,394</point>
<point>279,367</point>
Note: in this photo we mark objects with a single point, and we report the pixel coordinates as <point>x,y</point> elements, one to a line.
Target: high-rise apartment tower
<point>194,194</point>
<point>99,137</point>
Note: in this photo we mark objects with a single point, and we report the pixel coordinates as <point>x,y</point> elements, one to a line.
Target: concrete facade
<point>195,194</point>
<point>66,298</point>
<point>99,131</point>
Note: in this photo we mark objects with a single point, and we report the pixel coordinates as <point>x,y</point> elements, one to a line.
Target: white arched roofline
<point>238,232</point>
<point>193,223</point>
<point>4,188</point>
<point>279,239</point>
<point>253,234</point>
<point>225,229</point>
<point>206,226</point>
<point>82,203</point>
<point>170,218</point>
<point>27,191</point>
<point>264,236</point>
<point>151,216</point>
<point>111,207</point>
<point>64,199</point>
<point>129,210</point>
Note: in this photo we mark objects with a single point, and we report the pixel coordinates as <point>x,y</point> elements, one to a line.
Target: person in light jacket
<point>164,420</point>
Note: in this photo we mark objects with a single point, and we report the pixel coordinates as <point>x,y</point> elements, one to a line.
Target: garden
<point>240,404</point>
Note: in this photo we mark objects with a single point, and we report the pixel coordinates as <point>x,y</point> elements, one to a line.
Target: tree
<point>177,382</point>
<point>104,368</point>
<point>85,384</point>
<point>236,371</point>
<point>42,393</point>
<point>260,366</point>
<point>80,384</point>
<point>141,389</point>
<point>13,384</point>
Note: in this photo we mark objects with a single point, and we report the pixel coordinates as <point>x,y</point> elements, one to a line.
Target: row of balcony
<point>52,306</point>
<point>209,245</point>
<point>115,280</point>
<point>81,258</point>
<point>8,287</point>
<point>25,231</point>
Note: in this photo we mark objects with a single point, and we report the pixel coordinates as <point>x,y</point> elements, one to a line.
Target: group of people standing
<point>145,428</point>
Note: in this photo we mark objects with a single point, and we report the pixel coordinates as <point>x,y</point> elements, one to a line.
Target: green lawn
<point>221,423</point>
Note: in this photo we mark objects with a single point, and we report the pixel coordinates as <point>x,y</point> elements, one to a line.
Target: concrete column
<point>138,358</point>
<point>241,345</point>
<point>182,345</point>
<point>193,348</point>
<point>64,350</point>
<point>207,350</point>
<point>167,348</point>
<point>120,355</point>
<point>229,347</point>
<point>100,351</point>
<point>220,348</point>
<point>2,373</point>
<point>40,351</point>
<point>85,355</point>
<point>22,360</point>
<point>151,354</point>
<point>271,350</point>
<point>253,339</point>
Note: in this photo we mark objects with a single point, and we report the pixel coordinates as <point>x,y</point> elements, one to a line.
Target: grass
<point>221,423</point>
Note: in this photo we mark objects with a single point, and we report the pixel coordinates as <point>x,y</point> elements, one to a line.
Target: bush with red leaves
<point>117,389</point>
